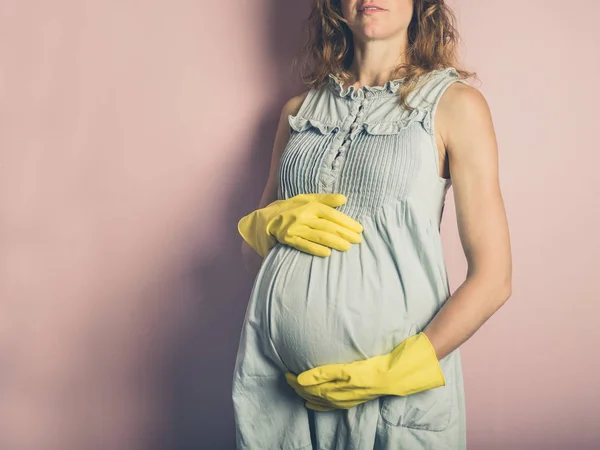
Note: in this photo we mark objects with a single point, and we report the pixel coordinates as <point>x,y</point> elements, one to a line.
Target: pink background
<point>134,135</point>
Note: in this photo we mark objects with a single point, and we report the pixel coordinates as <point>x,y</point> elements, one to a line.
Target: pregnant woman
<point>351,336</point>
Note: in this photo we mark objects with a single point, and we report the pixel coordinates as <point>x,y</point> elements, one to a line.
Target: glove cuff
<point>248,228</point>
<point>422,370</point>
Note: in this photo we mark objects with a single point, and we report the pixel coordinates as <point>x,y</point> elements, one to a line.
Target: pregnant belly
<point>332,310</point>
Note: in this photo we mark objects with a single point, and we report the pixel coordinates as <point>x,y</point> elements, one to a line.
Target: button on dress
<point>306,311</point>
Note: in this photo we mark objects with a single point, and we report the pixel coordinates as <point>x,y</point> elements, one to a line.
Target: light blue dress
<point>306,311</point>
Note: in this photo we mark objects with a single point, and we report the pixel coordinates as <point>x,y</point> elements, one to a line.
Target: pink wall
<point>133,135</point>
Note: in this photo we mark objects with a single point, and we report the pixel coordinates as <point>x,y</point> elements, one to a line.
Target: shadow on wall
<point>200,364</point>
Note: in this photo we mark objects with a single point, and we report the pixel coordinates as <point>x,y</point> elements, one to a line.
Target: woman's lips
<point>370,11</point>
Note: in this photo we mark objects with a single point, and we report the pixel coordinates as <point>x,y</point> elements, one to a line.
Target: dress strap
<point>429,95</point>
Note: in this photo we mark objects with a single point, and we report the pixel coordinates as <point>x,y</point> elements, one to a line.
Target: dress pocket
<point>427,410</point>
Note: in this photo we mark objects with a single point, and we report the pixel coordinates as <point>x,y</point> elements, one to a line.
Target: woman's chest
<point>370,160</point>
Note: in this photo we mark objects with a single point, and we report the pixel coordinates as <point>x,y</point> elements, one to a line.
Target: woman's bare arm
<point>253,260</point>
<point>465,126</point>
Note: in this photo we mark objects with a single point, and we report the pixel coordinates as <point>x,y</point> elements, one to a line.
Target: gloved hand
<point>308,222</point>
<point>410,368</point>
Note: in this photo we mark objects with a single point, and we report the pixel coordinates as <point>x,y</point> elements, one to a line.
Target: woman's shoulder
<point>464,115</point>
<point>293,105</point>
<point>460,99</point>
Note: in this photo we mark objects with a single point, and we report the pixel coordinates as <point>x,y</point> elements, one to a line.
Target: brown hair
<point>432,45</point>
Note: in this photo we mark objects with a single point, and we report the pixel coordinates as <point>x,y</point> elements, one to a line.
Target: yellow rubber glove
<point>308,222</point>
<point>410,368</point>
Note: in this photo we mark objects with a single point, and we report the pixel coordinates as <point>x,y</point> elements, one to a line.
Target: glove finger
<point>326,397</point>
<point>318,407</point>
<point>348,396</point>
<point>339,404</point>
<point>334,406</point>
<point>322,374</point>
<point>338,395</point>
<point>290,377</point>
<point>313,397</point>
<point>332,199</point>
<point>332,214</point>
<point>307,246</point>
<point>334,229</point>
<point>334,391</point>
<point>325,238</point>
<point>292,380</point>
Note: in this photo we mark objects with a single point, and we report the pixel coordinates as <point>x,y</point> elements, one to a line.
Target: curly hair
<point>432,45</point>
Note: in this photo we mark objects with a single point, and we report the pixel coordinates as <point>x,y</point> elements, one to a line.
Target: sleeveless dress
<point>305,311</point>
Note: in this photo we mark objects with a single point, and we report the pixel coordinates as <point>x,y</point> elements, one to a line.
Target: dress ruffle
<point>389,88</point>
<point>299,123</point>
<point>374,126</point>
<point>379,128</point>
